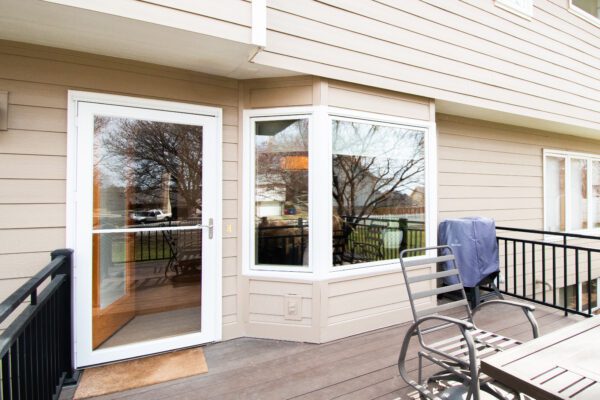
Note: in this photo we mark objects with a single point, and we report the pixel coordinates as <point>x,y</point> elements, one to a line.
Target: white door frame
<point>79,221</point>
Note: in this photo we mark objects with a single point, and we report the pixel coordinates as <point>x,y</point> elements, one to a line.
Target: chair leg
<point>474,389</point>
<point>420,377</point>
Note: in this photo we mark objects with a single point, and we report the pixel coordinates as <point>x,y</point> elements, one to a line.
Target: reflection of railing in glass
<point>359,240</point>
<point>367,239</point>
<point>283,245</point>
<point>178,250</point>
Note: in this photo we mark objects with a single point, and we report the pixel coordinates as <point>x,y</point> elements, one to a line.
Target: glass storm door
<point>146,207</point>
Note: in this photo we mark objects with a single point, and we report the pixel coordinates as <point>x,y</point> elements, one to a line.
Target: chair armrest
<point>527,309</point>
<point>462,323</point>
<point>507,302</point>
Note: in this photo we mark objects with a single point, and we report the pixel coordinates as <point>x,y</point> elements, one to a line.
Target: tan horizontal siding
<point>496,170</point>
<point>236,11</point>
<point>284,92</point>
<point>359,98</point>
<point>21,265</point>
<point>34,191</point>
<point>227,19</point>
<point>304,91</point>
<point>33,158</point>
<point>463,52</point>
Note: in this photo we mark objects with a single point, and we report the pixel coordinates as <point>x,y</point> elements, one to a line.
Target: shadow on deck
<point>359,367</point>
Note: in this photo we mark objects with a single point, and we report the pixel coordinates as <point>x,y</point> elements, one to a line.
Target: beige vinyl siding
<point>281,92</point>
<point>359,304</point>
<point>265,309</point>
<point>465,52</point>
<point>33,150</point>
<point>228,19</point>
<point>378,101</point>
<point>496,170</point>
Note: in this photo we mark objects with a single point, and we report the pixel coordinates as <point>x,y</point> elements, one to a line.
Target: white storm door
<point>146,229</point>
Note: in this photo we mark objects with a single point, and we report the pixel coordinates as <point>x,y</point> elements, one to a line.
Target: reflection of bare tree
<point>147,150</point>
<point>368,172</point>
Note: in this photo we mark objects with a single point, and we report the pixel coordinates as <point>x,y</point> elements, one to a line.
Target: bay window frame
<point>249,180</point>
<point>430,179</point>
<point>320,175</point>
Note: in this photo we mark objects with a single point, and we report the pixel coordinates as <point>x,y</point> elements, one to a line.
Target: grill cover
<point>473,241</point>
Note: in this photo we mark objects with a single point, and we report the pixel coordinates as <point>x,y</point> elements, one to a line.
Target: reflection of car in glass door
<point>141,217</point>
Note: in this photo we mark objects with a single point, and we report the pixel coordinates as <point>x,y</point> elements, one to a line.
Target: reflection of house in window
<point>270,197</point>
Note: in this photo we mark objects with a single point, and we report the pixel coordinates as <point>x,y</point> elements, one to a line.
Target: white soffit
<point>463,110</point>
<point>73,28</point>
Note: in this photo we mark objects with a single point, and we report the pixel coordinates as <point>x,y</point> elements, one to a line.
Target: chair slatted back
<point>409,261</point>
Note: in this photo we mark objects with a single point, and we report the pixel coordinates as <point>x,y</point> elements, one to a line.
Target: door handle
<point>210,227</point>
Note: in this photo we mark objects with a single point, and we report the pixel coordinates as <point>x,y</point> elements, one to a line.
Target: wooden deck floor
<point>360,367</point>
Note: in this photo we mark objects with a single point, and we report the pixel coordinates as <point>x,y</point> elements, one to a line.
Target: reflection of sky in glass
<point>144,166</point>
<point>361,139</point>
<point>293,138</point>
<point>387,148</point>
<point>110,166</point>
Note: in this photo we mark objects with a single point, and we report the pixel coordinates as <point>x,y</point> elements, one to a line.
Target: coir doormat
<point>113,378</point>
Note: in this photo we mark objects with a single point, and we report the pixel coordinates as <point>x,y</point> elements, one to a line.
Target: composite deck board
<point>359,367</point>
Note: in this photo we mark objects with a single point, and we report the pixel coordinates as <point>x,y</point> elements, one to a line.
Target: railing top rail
<point>562,234</point>
<point>17,297</point>
<point>549,244</point>
<point>8,337</point>
<point>375,218</point>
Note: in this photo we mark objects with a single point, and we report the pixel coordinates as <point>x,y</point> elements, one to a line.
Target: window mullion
<point>320,189</point>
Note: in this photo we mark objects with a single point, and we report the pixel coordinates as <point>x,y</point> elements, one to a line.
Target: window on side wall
<point>571,191</point>
<point>581,297</point>
<point>587,8</point>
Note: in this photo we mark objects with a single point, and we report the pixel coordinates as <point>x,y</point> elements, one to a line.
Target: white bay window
<point>330,190</point>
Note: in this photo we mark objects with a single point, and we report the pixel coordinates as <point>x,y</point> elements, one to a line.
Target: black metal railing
<point>36,348</point>
<point>356,239</point>
<point>541,266</point>
<point>285,245</point>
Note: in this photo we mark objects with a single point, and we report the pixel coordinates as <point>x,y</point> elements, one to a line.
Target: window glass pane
<point>584,295</point>
<point>281,192</point>
<point>594,293</point>
<point>147,176</point>
<point>591,7</point>
<point>554,193</point>
<point>378,191</point>
<point>146,172</point>
<point>595,195</point>
<point>571,294</point>
<point>579,194</point>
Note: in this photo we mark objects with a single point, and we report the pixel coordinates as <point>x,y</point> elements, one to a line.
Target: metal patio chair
<point>186,253</point>
<point>458,355</point>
